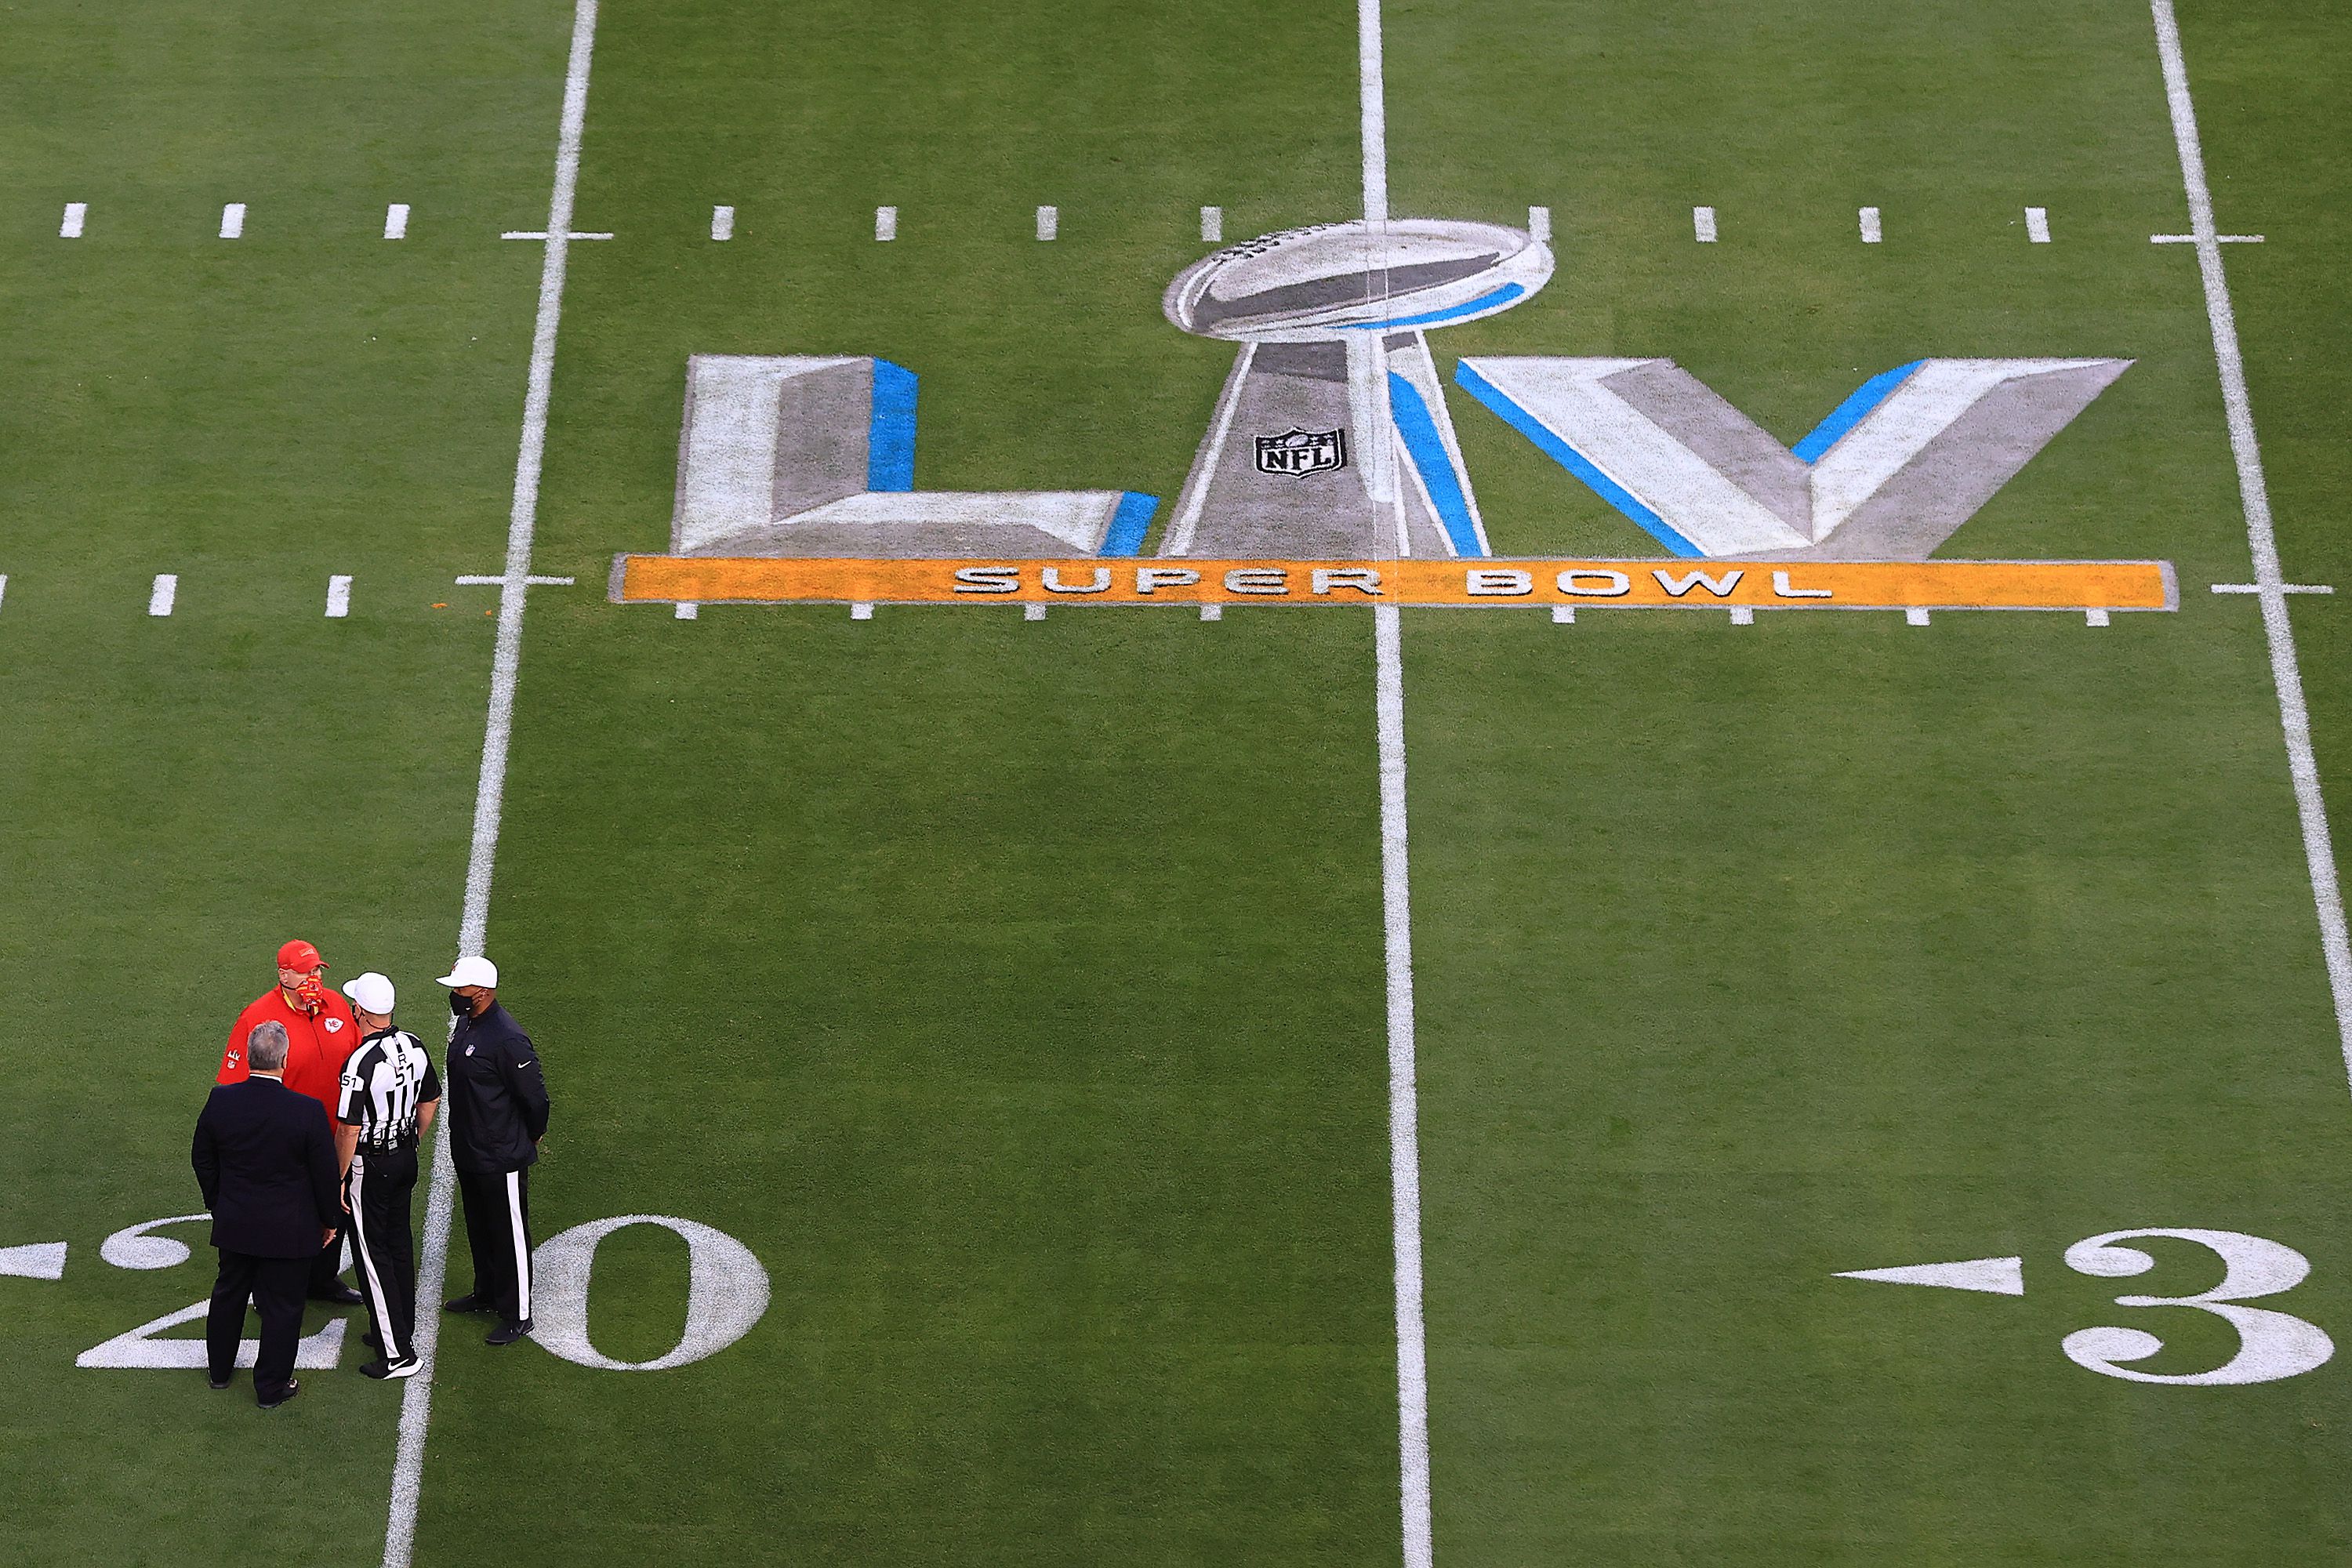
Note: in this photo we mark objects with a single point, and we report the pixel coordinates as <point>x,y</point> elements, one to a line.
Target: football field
<point>1266,1074</point>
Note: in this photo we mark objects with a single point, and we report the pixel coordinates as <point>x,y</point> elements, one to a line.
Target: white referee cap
<point>370,993</point>
<point>472,970</point>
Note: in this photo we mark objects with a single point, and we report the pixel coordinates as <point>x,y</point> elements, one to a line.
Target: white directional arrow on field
<point>1994,1276</point>
<point>37,1260</point>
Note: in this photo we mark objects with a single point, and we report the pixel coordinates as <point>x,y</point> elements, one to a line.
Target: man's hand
<point>326,1235</point>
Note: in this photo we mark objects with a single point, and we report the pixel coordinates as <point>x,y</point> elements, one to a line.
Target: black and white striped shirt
<point>387,1077</point>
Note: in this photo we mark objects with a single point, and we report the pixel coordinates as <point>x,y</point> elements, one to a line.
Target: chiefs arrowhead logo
<point>333,1025</point>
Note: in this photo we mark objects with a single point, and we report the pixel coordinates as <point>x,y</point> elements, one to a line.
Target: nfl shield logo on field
<point>1296,451</point>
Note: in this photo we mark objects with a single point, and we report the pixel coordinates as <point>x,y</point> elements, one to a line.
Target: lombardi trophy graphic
<point>1331,437</point>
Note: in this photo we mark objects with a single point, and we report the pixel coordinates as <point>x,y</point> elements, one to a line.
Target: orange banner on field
<point>1646,585</point>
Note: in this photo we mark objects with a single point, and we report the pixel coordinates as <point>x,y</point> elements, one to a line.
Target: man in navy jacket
<point>265,1157</point>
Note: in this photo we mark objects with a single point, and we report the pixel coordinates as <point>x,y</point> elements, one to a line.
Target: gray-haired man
<point>265,1160</point>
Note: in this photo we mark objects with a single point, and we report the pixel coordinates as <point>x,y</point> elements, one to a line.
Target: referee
<point>498,1113</point>
<point>389,1095</point>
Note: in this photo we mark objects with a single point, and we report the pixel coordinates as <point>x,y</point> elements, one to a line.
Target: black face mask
<point>461,1005</point>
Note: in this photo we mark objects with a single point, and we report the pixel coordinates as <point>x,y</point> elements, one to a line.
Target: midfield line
<point>506,664</point>
<point>1396,916</point>
<point>2271,587</point>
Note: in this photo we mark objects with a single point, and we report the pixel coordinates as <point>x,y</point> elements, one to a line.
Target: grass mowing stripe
<point>2262,539</point>
<point>1404,1140</point>
<point>416,1399</point>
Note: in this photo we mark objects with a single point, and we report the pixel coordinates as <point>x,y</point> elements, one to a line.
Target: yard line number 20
<point>726,1292</point>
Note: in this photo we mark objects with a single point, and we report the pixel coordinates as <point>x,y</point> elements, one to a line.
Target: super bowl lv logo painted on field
<point>1331,438</point>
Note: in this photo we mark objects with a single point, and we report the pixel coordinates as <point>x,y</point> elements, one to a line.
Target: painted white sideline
<point>165,590</point>
<point>1049,222</point>
<point>2262,539</point>
<point>233,221</point>
<point>1703,224</point>
<point>885,223</point>
<point>69,227</point>
<point>2037,225</point>
<point>1871,230</point>
<point>339,598</point>
<point>722,223</point>
<point>396,221</point>
<point>1404,1137</point>
<point>1212,224</point>
<point>506,663</point>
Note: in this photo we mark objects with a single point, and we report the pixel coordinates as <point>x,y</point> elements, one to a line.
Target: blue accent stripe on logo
<point>890,432</point>
<point>1129,523</point>
<point>1574,461</point>
<point>1852,411</point>
<point>1427,448</point>
<point>1492,298</point>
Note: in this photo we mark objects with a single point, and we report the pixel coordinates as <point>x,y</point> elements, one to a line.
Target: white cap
<point>370,993</point>
<point>472,970</point>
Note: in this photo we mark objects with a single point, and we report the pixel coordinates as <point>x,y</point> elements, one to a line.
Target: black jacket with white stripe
<point>498,1100</point>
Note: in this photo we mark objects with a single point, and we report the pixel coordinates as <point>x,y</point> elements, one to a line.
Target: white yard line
<point>722,223</point>
<point>4,587</point>
<point>687,610</point>
<point>1703,224</point>
<point>1212,224</point>
<point>1914,617</point>
<point>396,221</point>
<point>160,596</point>
<point>339,598</point>
<point>1372,102</point>
<point>1396,920</point>
<point>1049,222</point>
<point>2037,225</point>
<point>233,221</point>
<point>69,227</point>
<point>863,610</point>
<point>1871,231</point>
<point>885,223</point>
<point>1539,223</point>
<point>2262,539</point>
<point>1404,1138</point>
<point>416,1397</point>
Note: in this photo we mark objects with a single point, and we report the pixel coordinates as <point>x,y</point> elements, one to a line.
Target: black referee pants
<point>381,1185</point>
<point>498,1230</point>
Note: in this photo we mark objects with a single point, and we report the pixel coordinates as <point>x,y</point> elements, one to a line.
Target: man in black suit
<point>265,1160</point>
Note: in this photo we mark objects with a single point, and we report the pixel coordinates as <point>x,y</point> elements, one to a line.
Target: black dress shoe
<point>217,1383</point>
<point>506,1334</point>
<point>381,1369</point>
<point>468,1302</point>
<point>288,1392</point>
<point>339,1295</point>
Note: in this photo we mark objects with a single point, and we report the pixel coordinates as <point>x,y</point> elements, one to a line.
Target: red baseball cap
<point>300,954</point>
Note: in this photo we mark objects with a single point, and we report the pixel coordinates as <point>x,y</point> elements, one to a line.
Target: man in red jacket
<point>320,1034</point>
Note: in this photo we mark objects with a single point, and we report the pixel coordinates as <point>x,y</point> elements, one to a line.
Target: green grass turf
<point>1013,990</point>
<point>182,794</point>
<point>1747,957</point>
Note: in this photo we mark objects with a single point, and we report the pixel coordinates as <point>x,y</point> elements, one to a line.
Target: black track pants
<point>497,1231</point>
